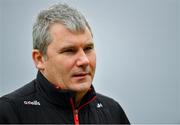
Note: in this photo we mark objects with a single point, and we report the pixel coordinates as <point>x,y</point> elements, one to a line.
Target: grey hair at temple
<point>63,14</point>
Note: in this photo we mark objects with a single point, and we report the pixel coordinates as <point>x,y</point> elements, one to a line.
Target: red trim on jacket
<point>76,111</point>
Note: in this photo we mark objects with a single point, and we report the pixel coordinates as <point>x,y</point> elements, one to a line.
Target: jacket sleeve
<point>7,112</point>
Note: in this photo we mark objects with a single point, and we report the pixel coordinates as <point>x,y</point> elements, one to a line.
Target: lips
<point>81,75</point>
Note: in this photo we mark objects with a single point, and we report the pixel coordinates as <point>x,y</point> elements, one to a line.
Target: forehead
<point>60,33</point>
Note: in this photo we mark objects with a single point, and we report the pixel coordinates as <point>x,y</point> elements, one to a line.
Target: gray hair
<point>63,14</point>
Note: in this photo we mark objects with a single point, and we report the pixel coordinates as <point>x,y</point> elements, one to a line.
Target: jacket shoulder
<point>113,108</point>
<point>9,103</point>
<point>18,96</point>
<point>24,91</point>
<point>109,103</point>
<point>107,100</point>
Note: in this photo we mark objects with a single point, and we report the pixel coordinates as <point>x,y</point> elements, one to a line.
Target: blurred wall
<point>178,57</point>
<point>137,43</point>
<point>0,48</point>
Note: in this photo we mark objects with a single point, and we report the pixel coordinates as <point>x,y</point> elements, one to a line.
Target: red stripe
<point>86,103</point>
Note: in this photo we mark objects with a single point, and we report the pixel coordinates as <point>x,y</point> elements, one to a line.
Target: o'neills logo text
<point>35,102</point>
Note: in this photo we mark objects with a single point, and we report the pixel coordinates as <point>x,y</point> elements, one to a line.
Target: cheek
<point>65,67</point>
<point>93,57</point>
<point>55,66</point>
<point>93,61</point>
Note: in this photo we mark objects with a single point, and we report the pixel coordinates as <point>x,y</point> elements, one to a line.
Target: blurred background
<point>138,52</point>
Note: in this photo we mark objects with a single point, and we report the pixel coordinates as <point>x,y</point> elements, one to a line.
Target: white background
<point>138,52</point>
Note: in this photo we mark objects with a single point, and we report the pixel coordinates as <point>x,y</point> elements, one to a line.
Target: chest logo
<point>35,102</point>
<point>99,105</point>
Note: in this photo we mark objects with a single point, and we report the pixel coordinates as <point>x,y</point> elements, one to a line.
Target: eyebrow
<point>67,47</point>
<point>70,46</point>
<point>90,44</point>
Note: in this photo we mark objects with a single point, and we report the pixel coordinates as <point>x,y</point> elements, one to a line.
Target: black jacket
<point>40,102</point>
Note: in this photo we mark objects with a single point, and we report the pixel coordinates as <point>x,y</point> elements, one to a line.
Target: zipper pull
<point>75,113</point>
<point>76,118</point>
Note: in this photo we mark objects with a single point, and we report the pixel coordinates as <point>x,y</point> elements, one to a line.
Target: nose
<point>82,60</point>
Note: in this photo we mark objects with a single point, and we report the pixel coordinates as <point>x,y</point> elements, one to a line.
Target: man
<point>64,54</point>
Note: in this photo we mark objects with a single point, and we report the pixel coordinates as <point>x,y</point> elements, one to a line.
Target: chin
<point>81,87</point>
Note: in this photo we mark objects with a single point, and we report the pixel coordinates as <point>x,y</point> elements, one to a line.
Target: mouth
<point>81,75</point>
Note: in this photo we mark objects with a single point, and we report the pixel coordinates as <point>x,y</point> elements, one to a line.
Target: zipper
<point>76,117</point>
<point>76,111</point>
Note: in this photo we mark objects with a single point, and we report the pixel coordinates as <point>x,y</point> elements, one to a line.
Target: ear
<point>38,59</point>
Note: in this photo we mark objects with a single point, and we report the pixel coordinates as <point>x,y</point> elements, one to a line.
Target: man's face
<point>71,59</point>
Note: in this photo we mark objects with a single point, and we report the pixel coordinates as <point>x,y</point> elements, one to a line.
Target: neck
<point>78,98</point>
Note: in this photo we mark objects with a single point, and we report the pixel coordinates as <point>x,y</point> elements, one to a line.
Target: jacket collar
<point>58,96</point>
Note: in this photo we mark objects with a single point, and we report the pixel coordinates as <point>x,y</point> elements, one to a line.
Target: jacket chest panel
<point>35,114</point>
<point>93,116</point>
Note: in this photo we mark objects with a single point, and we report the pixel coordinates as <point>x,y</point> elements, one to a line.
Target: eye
<point>88,48</point>
<point>68,51</point>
